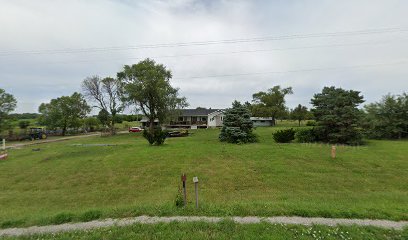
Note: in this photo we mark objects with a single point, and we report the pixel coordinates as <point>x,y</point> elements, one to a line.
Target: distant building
<point>205,118</point>
<point>198,118</point>
<point>193,119</point>
<point>262,121</point>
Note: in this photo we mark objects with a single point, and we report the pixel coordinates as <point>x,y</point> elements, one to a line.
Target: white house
<point>206,118</point>
<point>198,118</point>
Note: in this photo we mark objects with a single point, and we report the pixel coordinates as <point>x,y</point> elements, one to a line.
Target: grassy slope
<point>265,178</point>
<point>228,230</point>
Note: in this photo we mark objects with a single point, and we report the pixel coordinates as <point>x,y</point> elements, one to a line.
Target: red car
<point>135,129</point>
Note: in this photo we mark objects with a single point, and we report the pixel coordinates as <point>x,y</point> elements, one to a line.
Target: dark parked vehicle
<point>182,133</point>
<point>37,133</point>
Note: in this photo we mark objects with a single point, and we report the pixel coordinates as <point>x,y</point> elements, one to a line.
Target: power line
<point>230,52</point>
<point>202,43</point>
<point>296,70</point>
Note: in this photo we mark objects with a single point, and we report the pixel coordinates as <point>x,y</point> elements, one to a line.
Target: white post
<point>4,144</point>
<point>195,180</point>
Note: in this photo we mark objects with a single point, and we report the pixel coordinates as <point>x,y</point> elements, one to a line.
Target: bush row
<point>302,135</point>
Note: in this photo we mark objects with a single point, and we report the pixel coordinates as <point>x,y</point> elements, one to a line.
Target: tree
<point>23,124</point>
<point>64,112</point>
<point>237,125</point>
<point>270,103</point>
<point>105,94</point>
<point>147,85</point>
<point>91,124</point>
<point>299,113</point>
<point>388,118</point>
<point>337,115</point>
<point>7,104</point>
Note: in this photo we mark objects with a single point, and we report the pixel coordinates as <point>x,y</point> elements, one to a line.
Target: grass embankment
<point>64,182</point>
<point>228,230</point>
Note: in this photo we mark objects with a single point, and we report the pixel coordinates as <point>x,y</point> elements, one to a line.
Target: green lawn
<point>63,182</point>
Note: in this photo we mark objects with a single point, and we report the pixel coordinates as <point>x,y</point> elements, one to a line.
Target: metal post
<point>184,178</point>
<point>195,180</point>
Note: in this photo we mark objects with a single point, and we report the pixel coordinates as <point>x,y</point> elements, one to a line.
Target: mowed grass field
<point>65,182</point>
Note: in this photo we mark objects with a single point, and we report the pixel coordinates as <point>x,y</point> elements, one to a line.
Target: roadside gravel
<point>241,220</point>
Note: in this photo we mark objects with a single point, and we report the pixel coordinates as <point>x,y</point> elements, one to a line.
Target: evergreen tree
<point>237,125</point>
<point>388,118</point>
<point>337,115</point>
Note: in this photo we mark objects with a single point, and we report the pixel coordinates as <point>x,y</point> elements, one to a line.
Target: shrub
<point>306,135</point>
<point>179,201</point>
<point>90,215</point>
<point>284,136</point>
<point>311,123</point>
<point>235,135</point>
<point>157,136</point>
<point>63,218</point>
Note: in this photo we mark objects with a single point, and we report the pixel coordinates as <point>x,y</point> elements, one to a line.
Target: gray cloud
<point>57,24</point>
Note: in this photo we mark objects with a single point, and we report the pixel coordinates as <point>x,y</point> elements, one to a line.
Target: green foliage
<point>311,123</point>
<point>337,115</point>
<point>132,118</point>
<point>91,124</point>
<point>147,85</point>
<point>20,116</point>
<point>306,135</point>
<point>118,119</point>
<point>90,215</point>
<point>179,200</point>
<point>104,117</point>
<point>23,124</point>
<point>388,118</point>
<point>237,125</point>
<point>284,136</point>
<point>270,103</point>
<point>299,113</point>
<point>7,104</point>
<point>64,112</point>
<point>156,136</point>
<point>62,218</point>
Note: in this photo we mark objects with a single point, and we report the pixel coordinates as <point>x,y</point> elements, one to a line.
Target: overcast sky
<point>47,47</point>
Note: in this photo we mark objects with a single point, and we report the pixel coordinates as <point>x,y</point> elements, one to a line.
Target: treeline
<point>143,87</point>
<point>337,114</point>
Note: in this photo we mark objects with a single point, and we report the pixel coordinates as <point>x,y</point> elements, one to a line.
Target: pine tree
<point>237,125</point>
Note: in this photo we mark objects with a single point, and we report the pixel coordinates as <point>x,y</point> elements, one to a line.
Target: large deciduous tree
<point>237,126</point>
<point>105,94</point>
<point>147,85</point>
<point>64,112</point>
<point>7,104</point>
<point>299,113</point>
<point>337,115</point>
<point>388,118</point>
<point>270,103</point>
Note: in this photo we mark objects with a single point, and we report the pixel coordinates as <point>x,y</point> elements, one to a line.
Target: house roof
<point>262,118</point>
<point>197,112</point>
